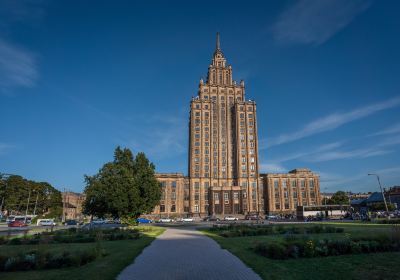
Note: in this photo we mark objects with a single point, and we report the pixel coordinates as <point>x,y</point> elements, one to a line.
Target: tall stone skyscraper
<point>223,146</point>
<point>223,175</point>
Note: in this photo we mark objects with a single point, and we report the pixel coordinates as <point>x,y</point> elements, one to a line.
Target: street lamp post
<point>383,195</point>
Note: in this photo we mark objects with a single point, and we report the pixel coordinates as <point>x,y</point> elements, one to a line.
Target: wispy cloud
<point>357,153</point>
<point>330,122</point>
<point>389,130</point>
<point>314,22</point>
<point>18,67</point>
<point>269,167</point>
<point>161,137</point>
<point>5,148</point>
<point>360,181</point>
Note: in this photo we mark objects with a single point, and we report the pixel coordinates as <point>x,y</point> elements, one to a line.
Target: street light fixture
<point>383,195</point>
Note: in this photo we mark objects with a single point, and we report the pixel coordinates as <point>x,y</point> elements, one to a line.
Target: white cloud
<point>4,148</point>
<point>17,67</point>
<point>270,167</point>
<point>358,153</point>
<point>389,130</point>
<point>316,21</point>
<point>161,137</point>
<point>330,122</point>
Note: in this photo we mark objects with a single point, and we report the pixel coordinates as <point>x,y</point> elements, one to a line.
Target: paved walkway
<point>184,253</point>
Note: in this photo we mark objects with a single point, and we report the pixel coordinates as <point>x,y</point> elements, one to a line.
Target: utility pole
<point>34,210</point>
<point>383,195</point>
<point>63,200</point>
<point>27,205</point>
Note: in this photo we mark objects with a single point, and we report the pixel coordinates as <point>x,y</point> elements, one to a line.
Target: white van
<point>46,222</point>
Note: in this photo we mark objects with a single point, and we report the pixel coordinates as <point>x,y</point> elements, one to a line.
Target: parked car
<point>187,219</point>
<point>252,217</point>
<point>211,219</point>
<point>47,222</point>
<point>70,223</point>
<point>144,221</point>
<point>230,218</point>
<point>165,220</point>
<point>271,217</point>
<point>17,224</point>
<point>98,222</point>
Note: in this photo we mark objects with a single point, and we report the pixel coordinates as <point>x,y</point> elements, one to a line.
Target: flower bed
<point>37,259</point>
<point>246,230</point>
<point>304,247</point>
<point>73,235</point>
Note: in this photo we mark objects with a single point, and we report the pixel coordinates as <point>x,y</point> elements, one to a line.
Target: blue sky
<point>78,79</point>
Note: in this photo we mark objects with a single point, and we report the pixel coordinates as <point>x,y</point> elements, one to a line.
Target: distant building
<point>285,191</point>
<point>72,205</point>
<point>392,195</point>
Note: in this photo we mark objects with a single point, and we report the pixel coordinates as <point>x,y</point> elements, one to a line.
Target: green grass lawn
<point>362,266</point>
<point>120,254</point>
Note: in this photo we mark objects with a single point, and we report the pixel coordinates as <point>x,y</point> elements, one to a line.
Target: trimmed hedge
<point>35,260</point>
<point>292,247</point>
<point>246,230</point>
<point>73,235</point>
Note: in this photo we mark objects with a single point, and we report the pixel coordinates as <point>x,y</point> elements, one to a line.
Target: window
<point>162,208</point>
<point>162,195</point>
<point>173,195</point>
<point>251,159</point>
<point>216,196</point>
<point>311,182</point>
<point>303,183</point>
<point>284,183</point>
<point>226,196</point>
<point>197,114</point>
<point>277,206</point>
<point>250,115</point>
<point>196,151</point>
<point>173,184</point>
<point>294,183</point>
<point>236,195</point>
<point>173,208</point>
<point>196,208</point>
<point>276,183</point>
<point>163,184</point>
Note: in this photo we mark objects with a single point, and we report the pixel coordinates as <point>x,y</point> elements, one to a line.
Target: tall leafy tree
<point>123,188</point>
<point>44,198</point>
<point>339,198</point>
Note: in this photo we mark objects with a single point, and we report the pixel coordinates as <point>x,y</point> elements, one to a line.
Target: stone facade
<point>223,170</point>
<point>285,191</point>
<point>72,205</point>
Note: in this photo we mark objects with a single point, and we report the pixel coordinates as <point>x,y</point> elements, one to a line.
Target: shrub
<point>272,250</point>
<point>15,241</point>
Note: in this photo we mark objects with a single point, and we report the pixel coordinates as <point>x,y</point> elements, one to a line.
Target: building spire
<point>218,44</point>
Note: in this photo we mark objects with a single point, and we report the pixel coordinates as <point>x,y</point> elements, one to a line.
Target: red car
<point>17,224</point>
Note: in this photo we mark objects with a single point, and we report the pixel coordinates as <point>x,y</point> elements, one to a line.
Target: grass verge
<point>120,254</point>
<point>362,266</point>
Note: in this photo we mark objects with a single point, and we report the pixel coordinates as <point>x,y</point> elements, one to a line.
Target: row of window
<point>293,183</point>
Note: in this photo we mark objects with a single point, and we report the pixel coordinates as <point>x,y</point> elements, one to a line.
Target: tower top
<point>218,52</point>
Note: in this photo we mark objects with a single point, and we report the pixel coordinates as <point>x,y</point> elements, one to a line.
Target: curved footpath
<point>185,253</point>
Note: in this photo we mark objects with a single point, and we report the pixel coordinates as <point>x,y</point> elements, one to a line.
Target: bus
<point>322,211</point>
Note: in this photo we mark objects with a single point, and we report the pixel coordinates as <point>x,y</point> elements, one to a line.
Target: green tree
<point>44,198</point>
<point>339,198</point>
<point>123,188</point>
